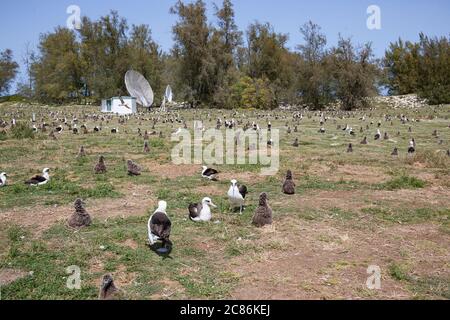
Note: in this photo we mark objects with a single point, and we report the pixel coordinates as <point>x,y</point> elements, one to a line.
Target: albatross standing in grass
<point>237,194</point>
<point>378,135</point>
<point>3,177</point>
<point>412,147</point>
<point>159,226</point>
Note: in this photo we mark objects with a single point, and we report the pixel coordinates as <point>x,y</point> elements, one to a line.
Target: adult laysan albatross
<point>159,227</point>
<point>3,177</point>
<point>209,173</point>
<point>39,180</point>
<point>236,195</point>
<point>201,212</point>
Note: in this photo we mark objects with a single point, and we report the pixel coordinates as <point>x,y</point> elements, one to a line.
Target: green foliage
<point>401,63</point>
<point>268,58</point>
<point>313,76</point>
<point>255,94</point>
<point>192,35</point>
<point>209,64</point>
<point>434,69</point>
<point>96,57</point>
<point>57,72</point>
<point>342,73</point>
<point>8,70</point>
<point>22,131</point>
<point>354,74</point>
<point>13,98</point>
<point>421,68</point>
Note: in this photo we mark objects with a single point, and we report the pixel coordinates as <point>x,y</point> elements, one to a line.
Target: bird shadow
<point>162,251</point>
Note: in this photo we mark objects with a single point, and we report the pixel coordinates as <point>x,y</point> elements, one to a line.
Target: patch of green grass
<point>309,215</point>
<point>428,287</point>
<point>402,182</point>
<point>157,143</point>
<point>210,285</point>
<point>13,98</point>
<point>22,131</point>
<point>398,272</point>
<point>50,254</point>
<point>342,215</point>
<point>57,191</point>
<point>431,159</point>
<point>431,287</point>
<point>15,233</point>
<point>48,267</point>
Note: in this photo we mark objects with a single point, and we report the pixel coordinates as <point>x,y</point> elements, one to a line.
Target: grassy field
<point>351,210</point>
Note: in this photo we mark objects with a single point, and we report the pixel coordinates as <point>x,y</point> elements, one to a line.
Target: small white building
<point>119,105</point>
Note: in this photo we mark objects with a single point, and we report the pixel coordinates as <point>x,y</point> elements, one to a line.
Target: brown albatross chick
<point>263,214</point>
<point>108,290</point>
<point>350,148</point>
<point>100,167</point>
<point>146,147</point>
<point>133,168</point>
<point>80,218</point>
<point>81,153</point>
<point>289,185</point>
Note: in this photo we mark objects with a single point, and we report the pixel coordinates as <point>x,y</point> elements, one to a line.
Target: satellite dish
<point>139,88</point>
<point>169,94</point>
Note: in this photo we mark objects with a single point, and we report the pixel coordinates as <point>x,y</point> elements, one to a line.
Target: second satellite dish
<point>169,94</point>
<point>139,88</point>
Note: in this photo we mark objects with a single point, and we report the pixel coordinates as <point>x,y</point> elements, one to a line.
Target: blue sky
<point>24,20</point>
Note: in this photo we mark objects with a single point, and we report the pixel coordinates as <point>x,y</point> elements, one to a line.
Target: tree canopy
<point>8,70</point>
<point>213,63</point>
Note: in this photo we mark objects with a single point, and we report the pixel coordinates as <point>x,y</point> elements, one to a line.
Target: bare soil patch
<point>170,170</point>
<point>320,261</point>
<point>355,200</point>
<point>8,276</point>
<point>211,190</point>
<point>138,199</point>
<point>347,172</point>
<point>242,177</point>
